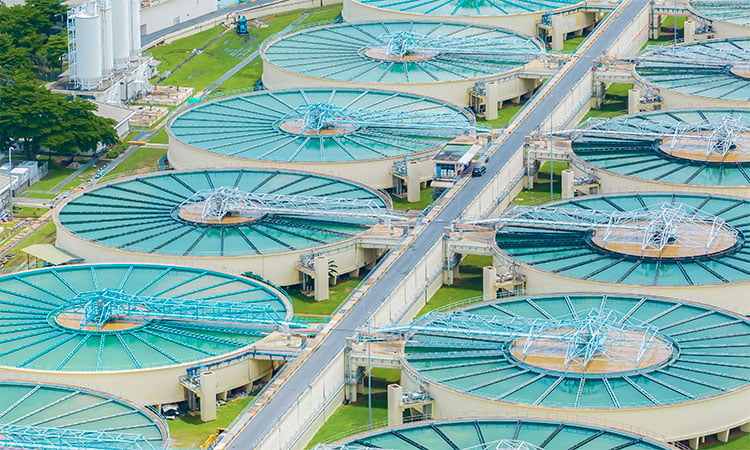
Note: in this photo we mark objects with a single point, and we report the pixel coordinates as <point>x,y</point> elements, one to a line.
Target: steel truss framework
<point>728,134</point>
<point>500,444</point>
<point>101,307</point>
<point>31,437</point>
<point>695,57</point>
<point>319,117</point>
<point>402,44</point>
<point>217,203</point>
<point>652,229</point>
<point>602,335</point>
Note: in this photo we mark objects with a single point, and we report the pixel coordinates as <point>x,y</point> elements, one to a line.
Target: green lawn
<point>44,235</point>
<point>172,54</point>
<point>324,14</point>
<point>352,418</point>
<point>669,22</point>
<point>46,195</point>
<point>245,78</point>
<point>504,116</point>
<point>425,197</point>
<point>540,193</point>
<point>572,44</point>
<point>160,137</point>
<point>615,102</point>
<point>736,443</point>
<point>54,176</point>
<point>190,432</point>
<point>307,305</point>
<point>467,286</point>
<point>26,212</point>
<point>143,159</point>
<point>664,40</point>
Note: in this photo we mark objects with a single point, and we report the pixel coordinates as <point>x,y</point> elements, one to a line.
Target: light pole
<point>369,378</point>
<point>10,181</point>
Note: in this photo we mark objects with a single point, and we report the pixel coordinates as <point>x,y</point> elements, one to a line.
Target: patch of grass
<point>351,418</point>
<point>143,159</point>
<point>504,116</point>
<point>44,235</point>
<point>615,102</point>
<point>245,78</point>
<point>45,195</point>
<point>28,212</point>
<point>468,285</point>
<point>669,22</point>
<point>54,176</point>
<point>664,40</point>
<point>323,14</point>
<point>425,196</point>
<point>303,304</point>
<point>736,443</point>
<point>172,54</point>
<point>540,194</point>
<point>190,432</point>
<point>160,137</point>
<point>572,44</point>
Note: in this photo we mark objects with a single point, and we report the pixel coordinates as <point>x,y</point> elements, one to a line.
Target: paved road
<point>267,416</point>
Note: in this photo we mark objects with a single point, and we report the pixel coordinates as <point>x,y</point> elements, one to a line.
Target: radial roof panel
<point>363,124</point>
<point>690,351</point>
<point>486,434</point>
<point>76,417</point>
<point>469,8</point>
<point>401,52</point>
<point>692,255</point>
<point>147,214</point>
<point>724,10</point>
<point>716,69</point>
<point>41,317</point>
<point>709,147</point>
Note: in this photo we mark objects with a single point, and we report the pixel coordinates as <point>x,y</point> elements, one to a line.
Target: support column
<point>693,443</point>
<point>320,267</point>
<point>395,415</point>
<point>689,31</point>
<point>745,428</point>
<point>634,101</point>
<point>412,182</point>
<point>723,436</point>
<point>568,179</point>
<point>208,396</point>
<point>489,277</point>
<point>558,37</point>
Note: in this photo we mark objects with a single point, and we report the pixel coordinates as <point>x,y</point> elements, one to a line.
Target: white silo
<point>135,29</point>
<point>105,12</point>
<point>121,30</point>
<point>88,47</point>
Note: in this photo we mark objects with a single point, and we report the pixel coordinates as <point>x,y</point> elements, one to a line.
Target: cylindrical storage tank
<point>432,59</point>
<point>727,18</point>
<point>135,328</point>
<point>691,150</point>
<point>89,67</point>
<point>359,134</point>
<point>158,218</point>
<point>83,418</point>
<point>135,29</point>
<point>689,246</point>
<point>506,433</point>
<point>121,29</point>
<point>714,73</point>
<point>522,16</point>
<point>108,59</point>
<point>674,368</point>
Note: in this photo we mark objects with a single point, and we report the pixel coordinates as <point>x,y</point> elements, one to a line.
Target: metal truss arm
<point>30,437</point>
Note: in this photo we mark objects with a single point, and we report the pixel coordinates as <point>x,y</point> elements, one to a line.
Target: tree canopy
<point>32,43</point>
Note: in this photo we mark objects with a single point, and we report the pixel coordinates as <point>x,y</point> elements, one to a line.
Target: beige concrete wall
<point>730,30</point>
<point>672,422</point>
<point>456,92</point>
<point>154,385</point>
<point>374,173</point>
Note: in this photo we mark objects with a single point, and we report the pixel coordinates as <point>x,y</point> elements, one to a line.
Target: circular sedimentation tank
<point>500,433</point>
<point>727,18</point>
<point>109,323</point>
<point>199,218</point>
<point>433,59</point>
<point>675,150</point>
<point>521,16</point>
<point>674,368</point>
<point>32,412</point>
<point>699,74</point>
<point>352,133</point>
<point>681,245</point>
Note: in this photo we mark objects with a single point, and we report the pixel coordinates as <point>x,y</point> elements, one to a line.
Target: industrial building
<point>689,246</point>
<point>269,222</point>
<point>714,73</point>
<point>692,150</point>
<point>553,20</point>
<point>140,329</point>
<point>673,368</point>
<point>441,60</point>
<point>378,138</point>
<point>725,17</point>
<point>50,415</point>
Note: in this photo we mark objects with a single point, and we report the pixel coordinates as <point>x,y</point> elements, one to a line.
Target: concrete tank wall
<point>677,100</point>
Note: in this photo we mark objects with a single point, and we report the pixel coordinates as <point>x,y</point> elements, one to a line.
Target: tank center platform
<point>75,319</point>
<point>619,351</point>
<point>734,148</point>
<point>741,69</point>
<point>405,46</point>
<point>319,119</point>
<point>381,53</point>
<point>218,206</point>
